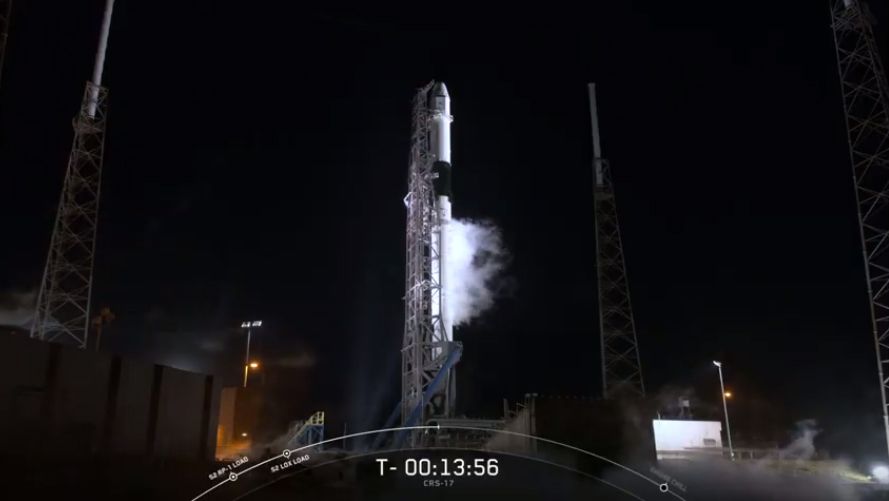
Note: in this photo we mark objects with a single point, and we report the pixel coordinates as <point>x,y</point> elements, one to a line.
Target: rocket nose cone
<point>440,89</point>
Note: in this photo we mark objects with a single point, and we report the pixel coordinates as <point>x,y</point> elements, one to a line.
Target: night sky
<point>256,164</point>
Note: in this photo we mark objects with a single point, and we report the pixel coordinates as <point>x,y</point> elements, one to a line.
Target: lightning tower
<point>866,103</point>
<point>63,303</point>
<point>429,352</point>
<point>621,369</point>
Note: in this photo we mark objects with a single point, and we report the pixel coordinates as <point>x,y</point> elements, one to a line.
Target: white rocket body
<point>440,145</point>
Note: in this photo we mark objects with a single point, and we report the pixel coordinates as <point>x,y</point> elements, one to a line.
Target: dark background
<point>255,168</point>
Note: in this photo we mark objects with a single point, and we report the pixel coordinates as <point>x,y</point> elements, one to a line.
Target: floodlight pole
<point>249,326</point>
<point>728,428</point>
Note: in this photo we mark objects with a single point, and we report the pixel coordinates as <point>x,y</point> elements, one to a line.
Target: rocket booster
<point>440,147</point>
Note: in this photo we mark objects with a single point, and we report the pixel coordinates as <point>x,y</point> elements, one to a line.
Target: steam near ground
<point>475,262</point>
<point>16,308</point>
<point>793,478</point>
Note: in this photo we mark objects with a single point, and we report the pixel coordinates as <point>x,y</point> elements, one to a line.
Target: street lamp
<point>728,428</point>
<point>249,326</point>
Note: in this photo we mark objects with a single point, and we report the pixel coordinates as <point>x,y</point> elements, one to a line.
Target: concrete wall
<point>130,434</point>
<point>62,401</point>
<point>180,412</point>
<point>79,397</point>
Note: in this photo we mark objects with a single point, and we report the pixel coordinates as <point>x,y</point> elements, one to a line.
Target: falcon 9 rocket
<point>440,147</point>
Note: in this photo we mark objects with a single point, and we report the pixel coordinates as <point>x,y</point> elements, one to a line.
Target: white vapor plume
<point>803,445</point>
<point>476,259</point>
<point>17,308</point>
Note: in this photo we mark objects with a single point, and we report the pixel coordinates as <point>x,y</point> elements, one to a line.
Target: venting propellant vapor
<point>470,254</point>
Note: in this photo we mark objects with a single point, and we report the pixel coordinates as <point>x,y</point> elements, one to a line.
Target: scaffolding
<point>428,355</point>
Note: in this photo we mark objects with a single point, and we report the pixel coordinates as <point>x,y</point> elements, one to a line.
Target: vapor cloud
<point>476,259</point>
<point>803,444</point>
<point>17,308</point>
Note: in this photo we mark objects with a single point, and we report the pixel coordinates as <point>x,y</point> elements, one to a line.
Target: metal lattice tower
<point>621,369</point>
<point>5,14</point>
<point>428,357</point>
<point>63,303</point>
<point>866,102</point>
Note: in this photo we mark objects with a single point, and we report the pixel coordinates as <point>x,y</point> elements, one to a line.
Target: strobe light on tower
<point>429,352</point>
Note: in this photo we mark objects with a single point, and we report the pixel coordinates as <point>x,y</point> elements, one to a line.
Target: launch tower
<point>429,352</point>
<point>621,369</point>
<point>866,103</point>
<point>63,303</point>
